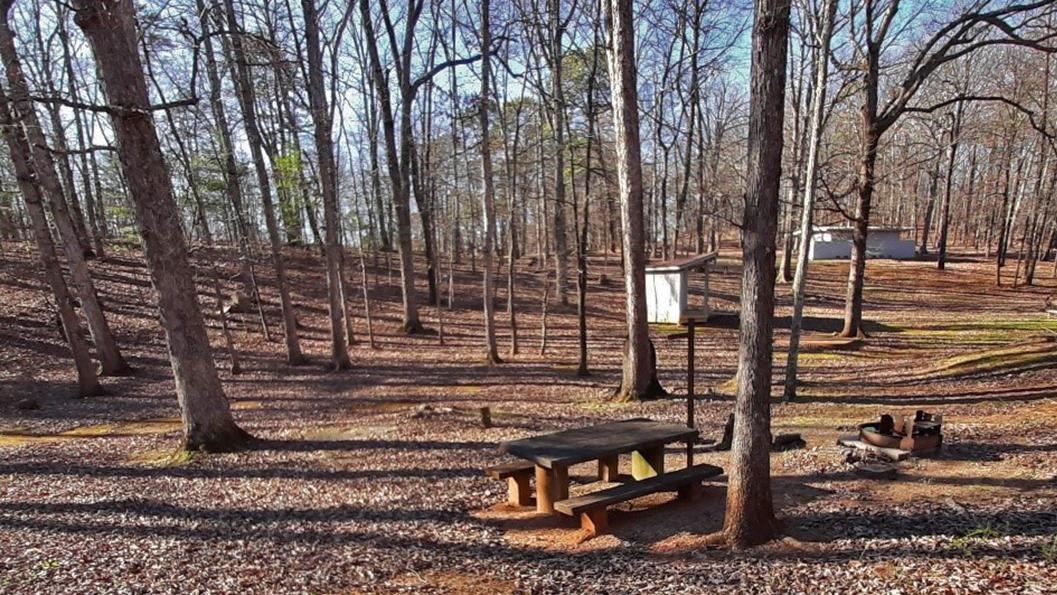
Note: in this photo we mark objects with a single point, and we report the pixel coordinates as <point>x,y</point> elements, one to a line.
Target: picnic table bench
<point>549,457</point>
<point>517,475</point>
<point>591,508</point>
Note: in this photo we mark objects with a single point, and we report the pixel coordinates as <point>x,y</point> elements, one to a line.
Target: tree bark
<point>110,28</point>
<point>86,180</point>
<point>87,381</point>
<point>244,89</point>
<point>232,180</point>
<point>398,164</point>
<point>945,211</point>
<point>814,140</point>
<point>487,191</point>
<point>61,156</point>
<point>750,516</point>
<point>684,189</point>
<point>321,119</point>
<point>184,157</point>
<point>561,241</point>
<point>930,208</point>
<point>112,362</point>
<point>637,370</point>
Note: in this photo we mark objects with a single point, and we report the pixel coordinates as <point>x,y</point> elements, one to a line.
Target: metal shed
<point>834,242</point>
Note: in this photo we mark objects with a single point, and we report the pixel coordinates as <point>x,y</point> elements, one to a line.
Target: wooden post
<point>690,328</point>
<point>561,483</point>
<point>517,486</point>
<point>607,468</point>
<point>708,312</point>
<point>594,522</point>
<point>544,499</point>
<point>551,485</point>
<point>647,463</point>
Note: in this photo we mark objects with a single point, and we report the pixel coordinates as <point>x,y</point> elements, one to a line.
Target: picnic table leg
<point>647,462</point>
<point>607,468</point>
<point>551,485</point>
<point>518,492</point>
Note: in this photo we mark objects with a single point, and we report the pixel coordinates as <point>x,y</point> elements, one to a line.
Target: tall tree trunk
<point>111,361</point>
<point>542,237</point>
<point>97,181</point>
<point>399,164</point>
<point>110,28</point>
<point>321,119</point>
<point>61,159</point>
<point>86,180</point>
<point>232,180</point>
<point>857,269</point>
<point>426,217</point>
<point>814,140</point>
<point>62,150</point>
<point>945,211</point>
<point>61,155</point>
<point>561,241</point>
<point>785,272</point>
<point>376,172</point>
<point>245,90</point>
<point>511,143</point>
<point>930,209</point>
<point>583,222</point>
<point>684,190</point>
<point>637,379</point>
<point>487,190</point>
<point>750,510</point>
<point>511,309</point>
<point>1036,228</point>
<point>87,381</point>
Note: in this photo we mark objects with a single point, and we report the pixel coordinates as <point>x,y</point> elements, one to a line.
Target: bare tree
<point>750,516</point>
<point>399,164</point>
<point>321,118</point>
<point>639,375</point>
<point>202,219</point>
<point>247,99</point>
<point>110,28</point>
<point>823,35</point>
<point>954,133</point>
<point>874,24</point>
<point>87,381</point>
<point>230,169</point>
<point>90,198</point>
<point>62,157</point>
<point>112,362</point>
<point>487,188</point>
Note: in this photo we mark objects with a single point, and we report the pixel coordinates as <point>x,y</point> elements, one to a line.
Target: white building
<point>830,243</point>
<point>668,288</point>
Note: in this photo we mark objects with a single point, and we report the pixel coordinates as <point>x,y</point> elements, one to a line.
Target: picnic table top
<point>594,442</point>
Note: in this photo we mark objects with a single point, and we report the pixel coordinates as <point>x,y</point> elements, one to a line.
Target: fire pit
<point>917,434</point>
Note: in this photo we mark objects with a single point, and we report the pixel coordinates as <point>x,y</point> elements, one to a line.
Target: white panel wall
<point>665,296</point>
<point>831,250</point>
<point>885,246</point>
<point>890,247</point>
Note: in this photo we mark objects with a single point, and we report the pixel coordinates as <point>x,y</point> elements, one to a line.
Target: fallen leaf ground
<point>357,486</point>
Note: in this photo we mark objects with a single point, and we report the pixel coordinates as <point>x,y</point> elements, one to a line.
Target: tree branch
<point>116,109</point>
<point>441,67</point>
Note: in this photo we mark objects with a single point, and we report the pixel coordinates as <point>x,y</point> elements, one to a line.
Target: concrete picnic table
<point>553,453</point>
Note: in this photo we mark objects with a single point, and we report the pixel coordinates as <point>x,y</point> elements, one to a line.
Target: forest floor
<point>370,480</point>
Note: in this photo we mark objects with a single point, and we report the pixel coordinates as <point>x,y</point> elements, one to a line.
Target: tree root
<point>229,438</point>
